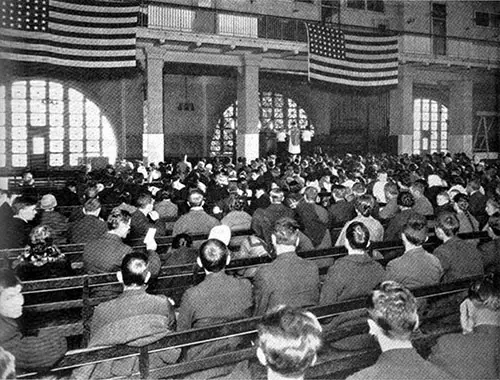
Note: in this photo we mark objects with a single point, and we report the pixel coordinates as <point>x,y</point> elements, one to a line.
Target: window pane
<point>75,107</point>
<point>416,135</point>
<point>57,133</point>
<point>434,116</point>
<point>444,144</point>
<point>434,126</point>
<point>75,159</point>
<point>76,146</point>
<point>37,106</point>
<point>425,143</point>
<point>93,133</point>
<point>425,106</point>
<point>19,146</point>
<point>416,144</point>
<point>55,91</point>
<point>425,126</point>
<point>92,114</point>
<point>75,120</point>
<point>56,160</point>
<point>19,90</point>
<point>38,120</point>
<point>76,133</point>
<point>75,96</point>
<point>3,161</point>
<point>2,92</point>
<point>2,147</point>
<point>19,160</point>
<point>2,133</point>
<point>433,145</point>
<point>38,145</point>
<point>56,146</point>
<point>93,146</point>
<point>56,120</point>
<point>56,106</point>
<point>18,106</point>
<point>19,119</point>
<point>37,90</point>
<point>18,133</point>
<point>434,135</point>
<point>443,136</point>
<point>2,118</point>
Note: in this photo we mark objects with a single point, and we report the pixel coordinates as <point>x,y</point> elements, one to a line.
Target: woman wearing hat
<point>54,220</point>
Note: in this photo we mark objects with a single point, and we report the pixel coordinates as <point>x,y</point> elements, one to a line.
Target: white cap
<point>221,233</point>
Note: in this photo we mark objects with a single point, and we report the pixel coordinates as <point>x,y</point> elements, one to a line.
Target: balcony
<point>225,32</point>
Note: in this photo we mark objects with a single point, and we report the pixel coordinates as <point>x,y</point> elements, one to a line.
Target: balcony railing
<point>170,17</point>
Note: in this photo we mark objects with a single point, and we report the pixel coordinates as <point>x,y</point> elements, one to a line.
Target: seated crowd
<point>286,207</point>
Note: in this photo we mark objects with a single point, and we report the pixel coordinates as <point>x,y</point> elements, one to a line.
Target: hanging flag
<point>352,58</point>
<point>75,33</point>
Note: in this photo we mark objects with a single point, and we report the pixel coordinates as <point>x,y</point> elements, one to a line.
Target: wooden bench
<point>344,363</point>
<point>66,302</point>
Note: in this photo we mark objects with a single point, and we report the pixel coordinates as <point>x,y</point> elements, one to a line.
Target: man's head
<point>339,192</point>
<point>392,312</point>
<point>213,255</point>
<point>4,196</point>
<point>24,207</point>
<point>405,200</point>
<point>415,230</point>
<point>443,198</point>
<point>92,206</point>
<point>391,190</point>
<point>461,202</point>
<point>447,225</point>
<point>11,299</point>
<point>277,196</point>
<point>195,198</point>
<point>364,204</point>
<point>310,194</point>
<point>289,340</point>
<point>145,202</point>
<point>494,225</point>
<point>134,270</point>
<point>119,222</point>
<point>417,189</point>
<point>285,232</point>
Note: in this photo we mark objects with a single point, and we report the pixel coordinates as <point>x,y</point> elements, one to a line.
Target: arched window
<point>48,124</point>
<point>277,113</point>
<point>430,126</point>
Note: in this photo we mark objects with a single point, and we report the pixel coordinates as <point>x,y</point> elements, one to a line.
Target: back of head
<point>358,235</point>
<point>144,199</point>
<point>394,309</point>
<point>405,199</point>
<point>364,204</point>
<point>22,202</point>
<point>134,269</point>
<point>92,205</point>
<point>41,235</point>
<point>359,189</point>
<point>339,191</point>
<point>182,240</point>
<point>276,195</point>
<point>116,217</point>
<point>418,188</point>
<point>289,339</point>
<point>286,231</point>
<point>195,198</point>
<point>415,229</point>
<point>213,255</point>
<point>448,222</point>
<point>8,279</point>
<point>391,190</point>
<point>485,293</point>
<point>310,194</point>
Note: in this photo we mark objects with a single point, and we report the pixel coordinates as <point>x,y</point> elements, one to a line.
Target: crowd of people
<point>286,207</point>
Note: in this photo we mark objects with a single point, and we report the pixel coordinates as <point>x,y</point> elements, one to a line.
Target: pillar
<point>247,140</point>
<point>153,142</point>
<point>460,118</point>
<point>401,114</point>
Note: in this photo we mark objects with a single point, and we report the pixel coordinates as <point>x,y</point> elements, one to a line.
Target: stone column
<point>153,142</point>
<point>460,118</point>
<point>247,140</point>
<point>401,113</point>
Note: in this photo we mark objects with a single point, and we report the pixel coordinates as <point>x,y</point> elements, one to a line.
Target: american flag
<point>76,33</point>
<point>352,59</point>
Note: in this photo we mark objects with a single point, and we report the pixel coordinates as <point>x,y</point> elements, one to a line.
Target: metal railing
<point>171,17</point>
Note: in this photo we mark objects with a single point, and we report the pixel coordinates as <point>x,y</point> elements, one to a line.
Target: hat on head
<point>221,233</point>
<point>48,201</point>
